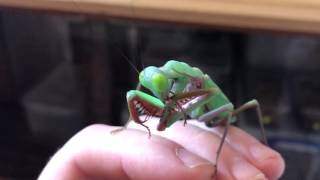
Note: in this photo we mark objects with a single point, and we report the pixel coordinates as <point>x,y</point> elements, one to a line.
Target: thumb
<point>96,153</point>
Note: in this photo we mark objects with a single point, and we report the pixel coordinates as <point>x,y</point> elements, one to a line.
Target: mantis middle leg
<point>248,105</point>
<point>253,104</point>
<point>209,116</point>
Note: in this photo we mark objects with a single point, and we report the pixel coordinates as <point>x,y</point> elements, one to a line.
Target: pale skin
<point>180,152</point>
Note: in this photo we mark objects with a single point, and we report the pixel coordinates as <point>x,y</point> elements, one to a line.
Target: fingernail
<point>259,177</point>
<point>243,170</point>
<point>260,152</point>
<point>191,160</point>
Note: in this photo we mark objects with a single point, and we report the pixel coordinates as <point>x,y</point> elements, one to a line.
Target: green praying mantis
<point>181,92</point>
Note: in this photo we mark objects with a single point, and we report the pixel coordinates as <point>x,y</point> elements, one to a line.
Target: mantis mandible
<point>180,92</point>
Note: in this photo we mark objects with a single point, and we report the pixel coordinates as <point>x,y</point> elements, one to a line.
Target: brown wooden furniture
<point>301,16</point>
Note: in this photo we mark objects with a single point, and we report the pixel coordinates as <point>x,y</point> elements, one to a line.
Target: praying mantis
<point>180,92</point>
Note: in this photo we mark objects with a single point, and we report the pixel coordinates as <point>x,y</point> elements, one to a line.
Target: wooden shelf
<point>300,16</point>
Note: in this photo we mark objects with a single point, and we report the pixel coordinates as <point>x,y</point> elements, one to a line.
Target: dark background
<point>60,73</point>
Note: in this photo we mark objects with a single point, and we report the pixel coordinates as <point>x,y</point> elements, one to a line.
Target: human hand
<point>179,152</point>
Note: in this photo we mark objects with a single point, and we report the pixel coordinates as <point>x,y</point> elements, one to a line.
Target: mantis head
<point>156,81</point>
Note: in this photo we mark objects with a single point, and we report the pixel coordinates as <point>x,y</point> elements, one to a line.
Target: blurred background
<point>60,73</point>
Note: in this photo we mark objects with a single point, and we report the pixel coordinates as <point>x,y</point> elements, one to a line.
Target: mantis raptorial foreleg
<point>184,103</point>
<point>141,103</point>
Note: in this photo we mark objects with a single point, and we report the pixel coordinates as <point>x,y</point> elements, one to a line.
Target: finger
<point>261,156</point>
<point>130,154</point>
<point>231,164</point>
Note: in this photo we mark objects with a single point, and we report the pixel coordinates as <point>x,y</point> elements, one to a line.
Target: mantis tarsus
<point>180,92</point>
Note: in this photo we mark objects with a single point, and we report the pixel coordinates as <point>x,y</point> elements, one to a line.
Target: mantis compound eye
<point>160,83</point>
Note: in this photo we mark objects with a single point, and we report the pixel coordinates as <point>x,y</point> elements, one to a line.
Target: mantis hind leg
<point>209,116</point>
<point>254,104</point>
